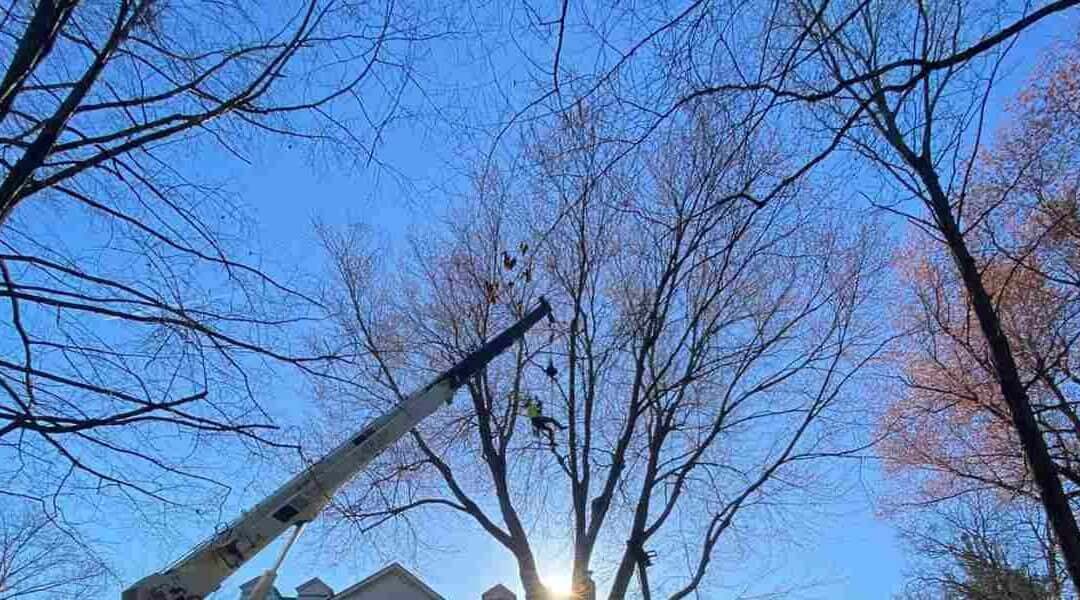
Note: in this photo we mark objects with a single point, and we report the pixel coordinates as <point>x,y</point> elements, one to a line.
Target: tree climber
<point>534,409</point>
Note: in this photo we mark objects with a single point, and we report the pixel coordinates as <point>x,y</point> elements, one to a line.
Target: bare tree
<point>983,547</point>
<point>882,78</point>
<point>699,349</point>
<point>40,560</point>
<point>137,306</point>
<point>918,136</point>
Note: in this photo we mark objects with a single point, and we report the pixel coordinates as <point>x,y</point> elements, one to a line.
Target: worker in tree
<point>534,409</point>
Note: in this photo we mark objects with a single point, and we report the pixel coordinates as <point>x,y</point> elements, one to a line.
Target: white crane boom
<point>303,497</point>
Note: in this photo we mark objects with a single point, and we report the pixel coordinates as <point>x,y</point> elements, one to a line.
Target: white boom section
<point>304,496</point>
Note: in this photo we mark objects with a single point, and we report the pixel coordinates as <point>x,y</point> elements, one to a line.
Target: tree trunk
<point>621,583</point>
<point>35,44</point>
<point>1051,492</point>
<point>21,173</point>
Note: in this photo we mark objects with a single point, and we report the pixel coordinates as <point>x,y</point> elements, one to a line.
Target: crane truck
<point>298,501</point>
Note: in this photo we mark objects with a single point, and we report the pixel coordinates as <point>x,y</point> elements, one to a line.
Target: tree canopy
<point>787,243</point>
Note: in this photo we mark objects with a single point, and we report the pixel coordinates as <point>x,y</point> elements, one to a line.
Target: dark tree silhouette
<point>137,305</point>
<point>700,350</point>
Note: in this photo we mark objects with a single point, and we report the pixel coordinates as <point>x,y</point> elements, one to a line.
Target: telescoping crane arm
<point>304,496</point>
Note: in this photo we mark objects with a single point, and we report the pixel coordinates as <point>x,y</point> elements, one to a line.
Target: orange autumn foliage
<point>950,430</point>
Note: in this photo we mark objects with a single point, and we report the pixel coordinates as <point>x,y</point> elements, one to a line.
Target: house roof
<point>314,584</point>
<point>274,594</point>
<point>498,591</point>
<point>391,569</point>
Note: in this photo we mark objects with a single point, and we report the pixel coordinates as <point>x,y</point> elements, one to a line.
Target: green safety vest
<point>532,410</point>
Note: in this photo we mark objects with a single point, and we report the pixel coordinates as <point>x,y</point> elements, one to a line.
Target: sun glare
<point>559,585</point>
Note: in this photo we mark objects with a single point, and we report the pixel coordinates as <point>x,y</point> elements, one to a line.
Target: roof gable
<point>315,586</point>
<point>272,594</point>
<point>391,570</point>
<point>498,592</point>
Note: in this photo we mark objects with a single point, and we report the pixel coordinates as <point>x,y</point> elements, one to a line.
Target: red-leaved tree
<point>953,432</point>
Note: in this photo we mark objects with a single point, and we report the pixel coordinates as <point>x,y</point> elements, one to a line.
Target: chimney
<point>499,592</point>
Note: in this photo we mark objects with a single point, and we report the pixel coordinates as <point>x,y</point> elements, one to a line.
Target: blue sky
<point>850,553</point>
<point>848,550</point>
